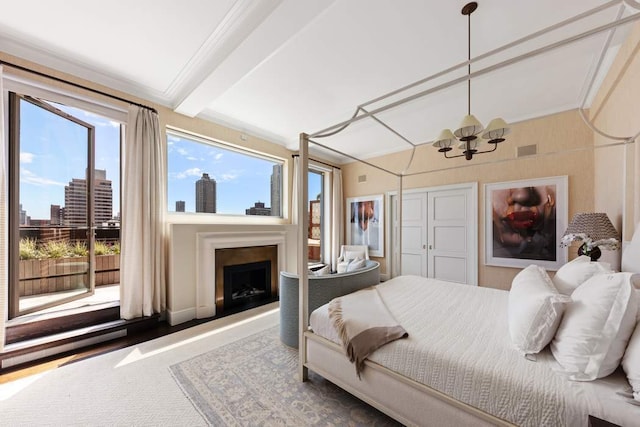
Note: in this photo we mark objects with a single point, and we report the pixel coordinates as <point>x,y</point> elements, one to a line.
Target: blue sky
<point>53,151</point>
<point>241,180</point>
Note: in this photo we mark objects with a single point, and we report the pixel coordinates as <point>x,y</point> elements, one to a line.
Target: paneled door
<point>414,234</point>
<point>451,249</point>
<point>439,233</point>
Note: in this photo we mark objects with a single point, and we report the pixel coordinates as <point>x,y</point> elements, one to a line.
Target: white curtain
<point>142,267</point>
<point>337,217</point>
<point>636,183</point>
<point>4,272</point>
<point>294,191</point>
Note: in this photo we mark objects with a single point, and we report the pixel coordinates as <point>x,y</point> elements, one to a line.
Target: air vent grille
<point>527,150</point>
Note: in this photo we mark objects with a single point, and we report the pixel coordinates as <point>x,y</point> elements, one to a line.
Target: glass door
<point>51,219</point>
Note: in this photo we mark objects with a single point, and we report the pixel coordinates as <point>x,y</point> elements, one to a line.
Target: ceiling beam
<point>247,44</point>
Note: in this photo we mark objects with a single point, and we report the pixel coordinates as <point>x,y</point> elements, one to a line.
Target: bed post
<point>303,254</point>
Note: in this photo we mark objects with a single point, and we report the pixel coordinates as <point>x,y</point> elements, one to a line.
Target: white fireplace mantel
<point>206,245</point>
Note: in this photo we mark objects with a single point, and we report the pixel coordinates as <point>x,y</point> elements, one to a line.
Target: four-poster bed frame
<point>400,397</point>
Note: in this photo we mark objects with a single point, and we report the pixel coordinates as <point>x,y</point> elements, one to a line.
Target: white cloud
<point>182,151</point>
<point>193,158</point>
<point>26,157</point>
<point>218,156</point>
<point>172,138</point>
<point>29,177</point>
<point>188,172</point>
<point>229,176</point>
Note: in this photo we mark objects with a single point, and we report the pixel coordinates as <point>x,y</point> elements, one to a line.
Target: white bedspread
<point>459,344</point>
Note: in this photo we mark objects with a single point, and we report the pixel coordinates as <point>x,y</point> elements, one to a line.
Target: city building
<point>258,209</point>
<point>180,205</point>
<point>75,200</point>
<point>276,189</point>
<point>206,194</point>
<point>56,215</point>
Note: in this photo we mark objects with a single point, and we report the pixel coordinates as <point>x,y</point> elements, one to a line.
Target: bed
<point>459,366</point>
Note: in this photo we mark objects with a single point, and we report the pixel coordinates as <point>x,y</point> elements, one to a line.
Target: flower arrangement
<point>588,244</point>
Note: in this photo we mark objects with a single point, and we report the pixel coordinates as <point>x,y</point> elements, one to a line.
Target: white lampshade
<point>445,139</point>
<point>469,126</point>
<point>496,129</point>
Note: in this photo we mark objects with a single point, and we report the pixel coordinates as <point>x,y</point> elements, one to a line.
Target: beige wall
<point>616,111</point>
<point>564,145</point>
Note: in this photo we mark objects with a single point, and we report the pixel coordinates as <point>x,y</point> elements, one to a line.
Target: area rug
<point>253,382</point>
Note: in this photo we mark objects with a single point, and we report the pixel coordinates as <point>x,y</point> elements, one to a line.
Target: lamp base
<point>594,253</point>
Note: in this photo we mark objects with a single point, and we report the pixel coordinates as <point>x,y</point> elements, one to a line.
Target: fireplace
<point>247,285</point>
<point>218,249</point>
<point>246,277</point>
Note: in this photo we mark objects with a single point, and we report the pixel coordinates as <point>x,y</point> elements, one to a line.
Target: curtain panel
<point>337,217</point>
<point>4,258</point>
<point>143,240</point>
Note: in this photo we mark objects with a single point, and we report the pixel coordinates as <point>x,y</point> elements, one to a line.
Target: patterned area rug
<point>253,382</point>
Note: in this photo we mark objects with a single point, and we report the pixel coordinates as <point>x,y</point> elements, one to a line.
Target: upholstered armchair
<point>350,252</point>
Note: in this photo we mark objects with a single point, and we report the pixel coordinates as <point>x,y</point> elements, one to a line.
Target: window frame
<point>25,88</point>
<point>226,218</point>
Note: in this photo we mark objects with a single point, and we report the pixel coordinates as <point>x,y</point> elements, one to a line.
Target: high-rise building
<point>24,219</point>
<point>56,215</point>
<point>206,194</point>
<point>258,209</point>
<point>75,200</point>
<point>276,191</point>
<point>179,205</point>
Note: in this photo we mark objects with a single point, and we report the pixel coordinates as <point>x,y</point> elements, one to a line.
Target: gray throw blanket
<point>364,324</point>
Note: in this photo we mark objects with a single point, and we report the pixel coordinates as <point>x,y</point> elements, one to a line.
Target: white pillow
<point>323,271</point>
<point>596,326</point>
<point>535,309</point>
<point>575,273</point>
<point>351,255</point>
<point>631,363</point>
<point>356,264</point>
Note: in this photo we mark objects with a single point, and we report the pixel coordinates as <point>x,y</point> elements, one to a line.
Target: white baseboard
<point>177,317</point>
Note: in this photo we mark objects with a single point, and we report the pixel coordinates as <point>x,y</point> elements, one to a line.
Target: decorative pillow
<point>535,309</point>
<point>631,363</point>
<point>351,255</point>
<point>356,264</point>
<point>576,272</point>
<point>323,271</point>
<point>596,326</point>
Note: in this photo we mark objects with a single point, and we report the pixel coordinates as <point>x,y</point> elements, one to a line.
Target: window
<point>316,214</point>
<point>64,204</point>
<point>209,177</point>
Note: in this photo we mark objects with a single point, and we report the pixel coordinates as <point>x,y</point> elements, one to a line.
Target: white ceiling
<point>275,68</point>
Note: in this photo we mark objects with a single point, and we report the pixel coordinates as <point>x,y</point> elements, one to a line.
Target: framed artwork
<point>524,222</point>
<point>365,223</point>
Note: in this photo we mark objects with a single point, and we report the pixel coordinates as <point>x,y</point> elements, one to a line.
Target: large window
<point>65,203</point>
<point>209,177</point>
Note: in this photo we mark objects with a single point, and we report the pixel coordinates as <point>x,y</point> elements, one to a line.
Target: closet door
<point>414,234</point>
<point>452,219</point>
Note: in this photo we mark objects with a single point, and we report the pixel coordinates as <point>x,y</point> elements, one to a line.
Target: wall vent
<point>527,150</point>
<point>362,178</point>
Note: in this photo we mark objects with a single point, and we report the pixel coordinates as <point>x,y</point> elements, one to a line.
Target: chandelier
<point>467,134</point>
